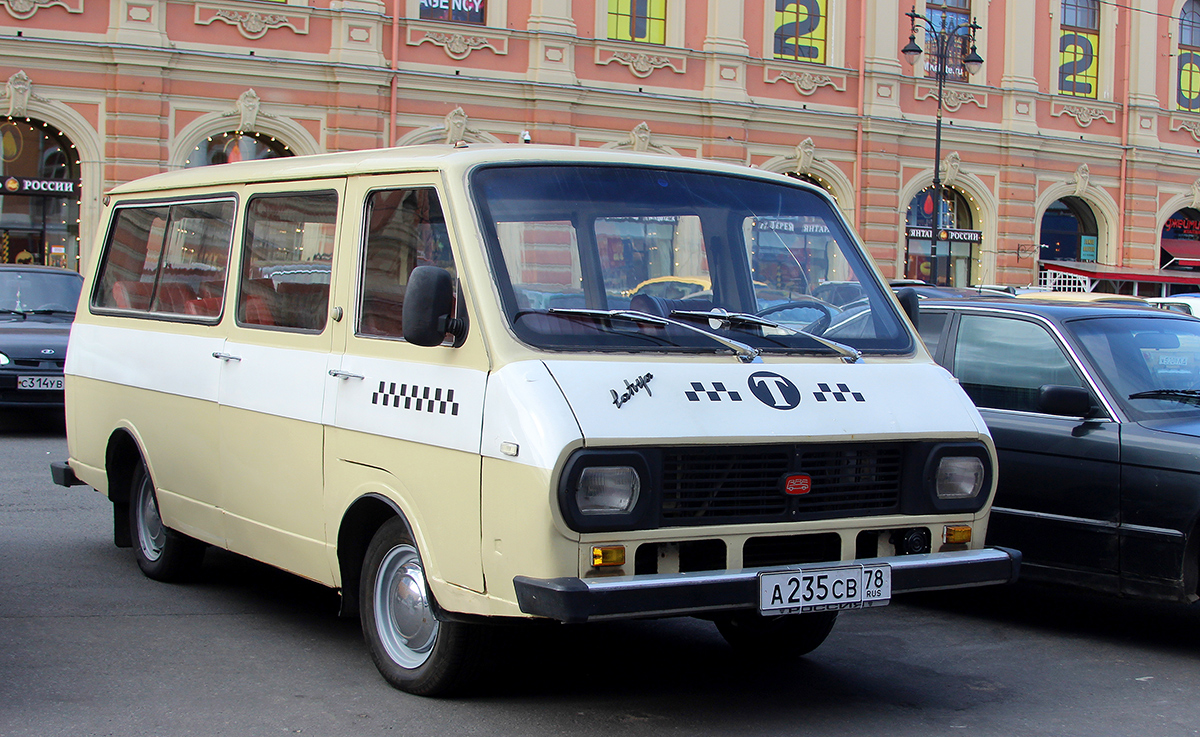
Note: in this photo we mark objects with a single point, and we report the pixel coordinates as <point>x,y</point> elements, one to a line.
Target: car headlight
<point>959,477</point>
<point>607,490</point>
<point>4,360</point>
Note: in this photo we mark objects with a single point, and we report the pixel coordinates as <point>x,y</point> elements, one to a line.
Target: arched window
<point>39,209</point>
<point>1069,231</point>
<point>1188,64</point>
<point>224,148</point>
<point>1181,241</point>
<point>1079,49</point>
<point>955,237</point>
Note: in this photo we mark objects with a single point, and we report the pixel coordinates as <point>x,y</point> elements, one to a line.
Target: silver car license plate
<point>40,383</point>
<point>825,589</point>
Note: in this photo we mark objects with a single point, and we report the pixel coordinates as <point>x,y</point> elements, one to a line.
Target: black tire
<point>414,651</point>
<point>162,553</point>
<point>776,638</point>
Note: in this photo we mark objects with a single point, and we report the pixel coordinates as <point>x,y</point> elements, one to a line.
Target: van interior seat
<point>254,311</point>
<point>301,305</point>
<point>203,307</point>
<point>173,295</point>
<point>132,295</point>
<point>663,307</point>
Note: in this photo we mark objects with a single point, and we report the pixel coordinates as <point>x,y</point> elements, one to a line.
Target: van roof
<point>413,158</point>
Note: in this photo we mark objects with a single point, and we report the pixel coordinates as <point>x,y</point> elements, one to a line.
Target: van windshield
<point>583,254</point>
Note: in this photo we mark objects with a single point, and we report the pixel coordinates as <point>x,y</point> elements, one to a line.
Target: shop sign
<point>45,187</point>
<point>953,235</point>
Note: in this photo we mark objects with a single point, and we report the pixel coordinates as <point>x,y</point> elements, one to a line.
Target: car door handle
<point>338,373</point>
<point>226,356</point>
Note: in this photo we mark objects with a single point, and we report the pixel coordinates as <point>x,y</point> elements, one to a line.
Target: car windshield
<point>572,244</point>
<point>34,292</point>
<point>1150,364</point>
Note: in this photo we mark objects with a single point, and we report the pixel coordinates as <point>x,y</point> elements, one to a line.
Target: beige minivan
<point>453,383</point>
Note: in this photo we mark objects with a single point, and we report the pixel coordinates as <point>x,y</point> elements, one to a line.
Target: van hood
<point>763,402</point>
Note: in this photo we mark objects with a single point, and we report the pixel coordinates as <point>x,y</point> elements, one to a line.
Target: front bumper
<point>671,594</point>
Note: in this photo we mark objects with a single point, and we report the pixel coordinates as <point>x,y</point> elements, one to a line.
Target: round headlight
<point>3,360</point>
<point>607,490</point>
<point>959,477</point>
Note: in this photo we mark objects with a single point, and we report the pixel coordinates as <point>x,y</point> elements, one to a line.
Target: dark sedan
<point>1095,412</point>
<point>37,306</point>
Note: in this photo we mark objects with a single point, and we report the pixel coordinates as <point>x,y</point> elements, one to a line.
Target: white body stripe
<point>147,359</point>
<point>284,382</point>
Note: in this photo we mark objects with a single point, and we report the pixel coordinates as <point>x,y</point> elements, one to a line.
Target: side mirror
<point>1065,401</point>
<point>911,304</point>
<point>429,306</point>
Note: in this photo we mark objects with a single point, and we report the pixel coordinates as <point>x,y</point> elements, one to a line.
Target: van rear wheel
<point>775,638</point>
<point>162,553</point>
<point>414,651</point>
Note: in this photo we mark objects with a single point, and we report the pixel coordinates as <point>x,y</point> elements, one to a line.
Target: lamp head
<point>912,51</point>
<point>973,61</point>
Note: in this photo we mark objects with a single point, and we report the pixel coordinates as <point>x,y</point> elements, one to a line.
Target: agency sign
<point>44,187</point>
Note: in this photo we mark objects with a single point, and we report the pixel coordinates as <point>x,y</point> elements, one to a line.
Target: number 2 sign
<point>800,30</point>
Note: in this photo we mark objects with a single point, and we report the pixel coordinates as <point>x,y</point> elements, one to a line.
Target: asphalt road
<point>88,646</point>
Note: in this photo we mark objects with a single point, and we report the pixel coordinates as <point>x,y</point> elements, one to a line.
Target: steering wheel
<point>53,306</point>
<point>816,326</point>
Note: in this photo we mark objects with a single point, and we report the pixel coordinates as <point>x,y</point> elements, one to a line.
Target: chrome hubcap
<point>403,616</point>
<point>151,533</point>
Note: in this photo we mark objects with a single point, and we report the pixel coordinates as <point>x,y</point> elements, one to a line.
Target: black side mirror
<point>428,308</point>
<point>1065,401</point>
<point>911,303</point>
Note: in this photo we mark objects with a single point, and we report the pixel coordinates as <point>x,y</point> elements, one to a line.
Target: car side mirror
<point>428,310</point>
<point>911,303</point>
<point>1065,401</point>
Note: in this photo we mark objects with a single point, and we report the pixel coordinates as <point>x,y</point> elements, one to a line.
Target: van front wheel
<point>413,650</point>
<point>162,553</point>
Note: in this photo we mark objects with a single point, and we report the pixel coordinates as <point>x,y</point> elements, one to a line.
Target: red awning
<point>1119,273</point>
<point>1184,253</point>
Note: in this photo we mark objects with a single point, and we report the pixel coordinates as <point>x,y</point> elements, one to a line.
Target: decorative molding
<point>806,154</point>
<point>949,168</point>
<point>1079,180</point>
<point>248,109</point>
<point>806,81</point>
<point>18,91</point>
<point>1191,125</point>
<point>1084,115</point>
<point>253,24</point>
<point>1196,194</point>
<point>458,46</point>
<point>641,140</point>
<point>640,63</point>
<point>26,9</point>
<point>952,98</point>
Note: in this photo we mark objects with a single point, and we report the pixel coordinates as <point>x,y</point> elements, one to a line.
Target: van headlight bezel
<point>606,490</point>
<point>958,476</point>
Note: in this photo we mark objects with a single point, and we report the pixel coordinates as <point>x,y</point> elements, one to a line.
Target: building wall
<point>138,84</point>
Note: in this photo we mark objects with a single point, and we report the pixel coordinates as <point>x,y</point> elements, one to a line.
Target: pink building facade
<point>1072,156</point>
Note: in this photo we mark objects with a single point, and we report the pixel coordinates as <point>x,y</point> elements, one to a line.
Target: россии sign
<point>953,235</point>
<point>44,187</point>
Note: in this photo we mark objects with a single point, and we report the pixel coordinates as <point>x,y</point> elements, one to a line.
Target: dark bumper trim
<point>63,474</point>
<point>627,597</point>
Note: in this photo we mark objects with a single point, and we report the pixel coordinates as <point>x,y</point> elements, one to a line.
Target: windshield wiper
<point>745,353</point>
<point>1186,396</point>
<point>743,319</point>
<point>50,312</point>
<point>6,311</point>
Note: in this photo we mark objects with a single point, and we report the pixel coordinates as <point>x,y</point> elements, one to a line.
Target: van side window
<point>286,260</point>
<point>1002,363</point>
<point>405,229</point>
<point>167,259</point>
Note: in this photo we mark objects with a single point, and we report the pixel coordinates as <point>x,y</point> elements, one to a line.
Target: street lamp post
<point>942,38</point>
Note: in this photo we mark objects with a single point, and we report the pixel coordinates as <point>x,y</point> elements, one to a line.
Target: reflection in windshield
<point>663,243</point>
<point>1151,364</point>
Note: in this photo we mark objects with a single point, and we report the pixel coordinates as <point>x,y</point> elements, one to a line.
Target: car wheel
<point>774,638</point>
<point>413,649</point>
<point>162,553</point>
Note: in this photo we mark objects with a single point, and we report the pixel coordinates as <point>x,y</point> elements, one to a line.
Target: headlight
<point>607,490</point>
<point>4,360</point>
<point>959,477</point>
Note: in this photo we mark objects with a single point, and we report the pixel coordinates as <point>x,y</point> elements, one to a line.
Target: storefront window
<point>1079,48</point>
<point>1069,232</point>
<point>1181,241</point>
<point>927,246</point>
<point>39,206</point>
<point>800,30</point>
<point>225,148</point>
<point>457,11</point>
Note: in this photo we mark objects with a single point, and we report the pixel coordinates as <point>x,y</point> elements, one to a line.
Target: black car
<point>1095,413</point>
<point>37,306</point>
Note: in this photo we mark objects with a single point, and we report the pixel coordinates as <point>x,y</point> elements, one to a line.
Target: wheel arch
<point>359,524</point>
<point>120,459</point>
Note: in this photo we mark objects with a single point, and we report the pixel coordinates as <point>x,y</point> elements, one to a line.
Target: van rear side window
<point>167,259</point>
<point>285,261</point>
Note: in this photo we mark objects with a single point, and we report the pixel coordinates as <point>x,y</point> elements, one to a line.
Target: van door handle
<point>338,373</point>
<point>226,356</point>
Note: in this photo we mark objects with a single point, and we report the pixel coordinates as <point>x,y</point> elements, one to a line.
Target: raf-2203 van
<point>465,385</point>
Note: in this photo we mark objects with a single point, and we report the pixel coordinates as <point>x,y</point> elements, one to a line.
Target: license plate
<point>43,383</point>
<point>825,589</point>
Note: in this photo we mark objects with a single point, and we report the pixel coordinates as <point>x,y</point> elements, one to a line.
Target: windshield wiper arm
<point>848,353</point>
<point>745,353</point>
<point>50,312</point>
<point>1186,396</point>
<point>6,311</point>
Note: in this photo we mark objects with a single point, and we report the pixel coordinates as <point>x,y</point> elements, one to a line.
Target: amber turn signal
<point>608,555</point>
<point>956,534</point>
